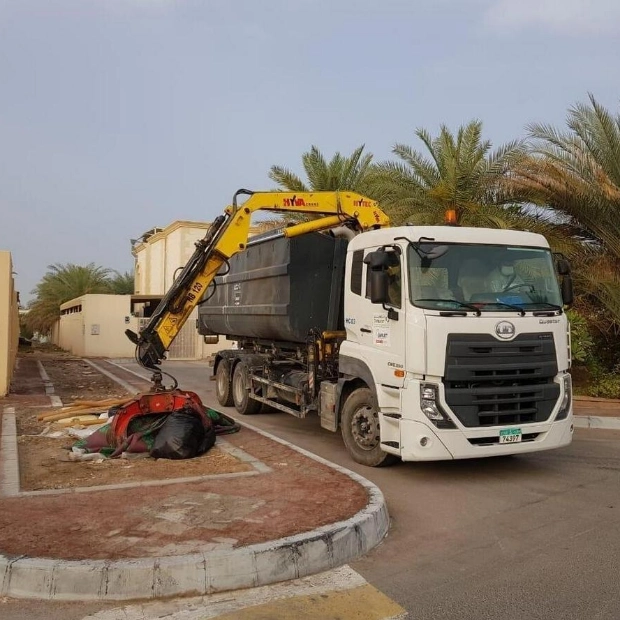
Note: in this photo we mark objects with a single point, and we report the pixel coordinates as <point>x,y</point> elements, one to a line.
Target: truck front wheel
<point>241,391</point>
<point>360,430</point>
<point>223,384</point>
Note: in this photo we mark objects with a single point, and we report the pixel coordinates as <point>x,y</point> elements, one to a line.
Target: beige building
<point>160,254</point>
<point>9,322</point>
<point>94,326</point>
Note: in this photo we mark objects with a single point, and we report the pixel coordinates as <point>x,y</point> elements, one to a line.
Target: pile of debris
<point>81,413</point>
<point>162,424</point>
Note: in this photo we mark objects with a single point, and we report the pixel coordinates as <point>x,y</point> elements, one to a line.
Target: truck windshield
<point>490,278</point>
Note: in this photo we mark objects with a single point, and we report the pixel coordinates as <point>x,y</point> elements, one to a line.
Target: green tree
<point>122,283</point>
<point>575,174</point>
<point>62,283</point>
<point>456,172</point>
<point>339,173</point>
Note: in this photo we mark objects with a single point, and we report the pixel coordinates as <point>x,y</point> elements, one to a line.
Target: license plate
<point>510,435</point>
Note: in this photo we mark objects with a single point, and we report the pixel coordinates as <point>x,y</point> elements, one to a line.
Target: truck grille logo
<point>505,330</point>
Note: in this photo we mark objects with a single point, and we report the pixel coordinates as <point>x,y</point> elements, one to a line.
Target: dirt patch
<point>73,378</point>
<point>44,461</point>
<point>44,465</point>
<point>297,495</point>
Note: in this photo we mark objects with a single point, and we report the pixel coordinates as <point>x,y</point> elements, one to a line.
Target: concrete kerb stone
<point>9,476</point>
<point>594,421</point>
<point>204,572</point>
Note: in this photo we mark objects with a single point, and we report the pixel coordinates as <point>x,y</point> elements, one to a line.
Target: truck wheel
<point>223,388</point>
<point>360,430</point>
<point>241,391</point>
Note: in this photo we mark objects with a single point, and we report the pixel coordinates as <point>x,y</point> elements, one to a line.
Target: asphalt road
<point>533,536</point>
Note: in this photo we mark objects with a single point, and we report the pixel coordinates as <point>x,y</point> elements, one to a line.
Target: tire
<point>241,391</point>
<point>360,430</point>
<point>223,384</point>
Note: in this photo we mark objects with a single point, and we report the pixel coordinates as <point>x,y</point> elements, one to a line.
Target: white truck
<point>419,343</point>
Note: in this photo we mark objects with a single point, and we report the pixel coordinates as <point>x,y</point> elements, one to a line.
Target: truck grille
<point>493,383</point>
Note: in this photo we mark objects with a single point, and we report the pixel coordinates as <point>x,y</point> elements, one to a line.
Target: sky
<point>117,116</point>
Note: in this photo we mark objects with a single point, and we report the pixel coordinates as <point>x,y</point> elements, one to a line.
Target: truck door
<point>376,333</point>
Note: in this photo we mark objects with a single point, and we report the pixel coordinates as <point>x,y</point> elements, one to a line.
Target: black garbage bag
<point>183,436</point>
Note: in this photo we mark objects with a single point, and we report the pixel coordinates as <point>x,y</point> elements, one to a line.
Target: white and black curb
<point>49,387</point>
<point>9,463</point>
<point>597,421</point>
<point>296,556</point>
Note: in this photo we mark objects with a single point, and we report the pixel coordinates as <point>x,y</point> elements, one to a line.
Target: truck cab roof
<point>449,234</point>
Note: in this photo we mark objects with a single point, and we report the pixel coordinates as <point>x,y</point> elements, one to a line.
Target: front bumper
<point>423,442</point>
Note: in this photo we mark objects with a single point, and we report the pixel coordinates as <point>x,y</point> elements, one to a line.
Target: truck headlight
<point>567,398</point>
<point>431,408</point>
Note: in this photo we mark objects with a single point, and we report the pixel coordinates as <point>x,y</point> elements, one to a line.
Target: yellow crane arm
<point>227,236</point>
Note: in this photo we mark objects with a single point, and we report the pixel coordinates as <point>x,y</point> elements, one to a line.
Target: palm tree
<point>457,172</point>
<point>60,284</point>
<point>122,283</point>
<point>575,174</point>
<point>339,173</point>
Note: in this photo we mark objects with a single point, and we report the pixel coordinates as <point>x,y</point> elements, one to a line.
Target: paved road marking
<point>127,386</point>
<point>363,603</point>
<point>336,594</point>
<point>49,386</point>
<point>126,368</point>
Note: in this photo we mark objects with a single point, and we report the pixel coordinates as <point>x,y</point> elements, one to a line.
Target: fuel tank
<point>278,289</point>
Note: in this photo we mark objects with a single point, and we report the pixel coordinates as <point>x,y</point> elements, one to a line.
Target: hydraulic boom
<point>227,236</point>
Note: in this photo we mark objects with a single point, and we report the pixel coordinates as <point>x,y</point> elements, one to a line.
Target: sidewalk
<point>590,412</point>
<point>285,515</point>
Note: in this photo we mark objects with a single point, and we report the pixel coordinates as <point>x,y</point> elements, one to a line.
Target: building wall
<point>158,260</point>
<point>69,334</point>
<point>94,326</point>
<point>174,259</point>
<point>140,273</point>
<point>9,322</point>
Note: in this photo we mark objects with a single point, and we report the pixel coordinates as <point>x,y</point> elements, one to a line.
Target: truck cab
<point>457,337</point>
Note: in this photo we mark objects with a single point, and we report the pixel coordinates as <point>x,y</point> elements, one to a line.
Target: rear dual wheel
<point>223,384</point>
<point>241,391</point>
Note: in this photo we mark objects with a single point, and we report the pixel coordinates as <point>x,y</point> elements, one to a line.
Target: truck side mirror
<point>378,263</point>
<point>567,290</point>
<point>563,267</point>
<point>379,287</point>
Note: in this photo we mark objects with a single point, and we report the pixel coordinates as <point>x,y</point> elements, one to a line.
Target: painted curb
<point>594,421</point>
<point>296,556</point>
